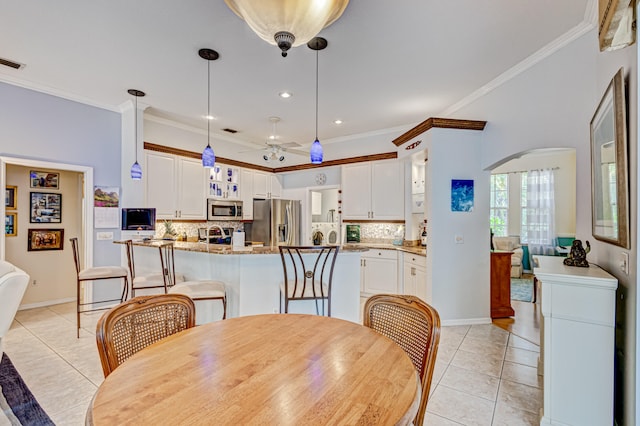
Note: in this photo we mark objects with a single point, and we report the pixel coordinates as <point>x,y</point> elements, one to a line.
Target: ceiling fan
<point>274,151</point>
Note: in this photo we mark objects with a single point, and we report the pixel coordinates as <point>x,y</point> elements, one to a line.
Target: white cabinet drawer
<point>381,254</point>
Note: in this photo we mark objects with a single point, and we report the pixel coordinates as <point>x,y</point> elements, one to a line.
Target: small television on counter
<point>140,219</point>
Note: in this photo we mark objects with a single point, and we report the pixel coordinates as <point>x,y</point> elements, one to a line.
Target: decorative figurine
<point>578,255</point>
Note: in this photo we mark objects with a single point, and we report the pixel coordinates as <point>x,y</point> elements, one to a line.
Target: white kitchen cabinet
<point>246,192</point>
<point>266,185</point>
<point>379,272</point>
<point>224,182</point>
<point>373,191</point>
<point>415,276</point>
<point>175,186</point>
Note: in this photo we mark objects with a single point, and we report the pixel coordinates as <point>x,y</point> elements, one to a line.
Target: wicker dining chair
<point>415,326</point>
<point>308,274</point>
<point>135,324</point>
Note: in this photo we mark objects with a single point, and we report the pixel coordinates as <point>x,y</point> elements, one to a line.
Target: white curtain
<point>540,212</point>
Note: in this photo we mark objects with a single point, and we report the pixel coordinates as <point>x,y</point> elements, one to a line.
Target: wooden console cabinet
<point>501,284</point>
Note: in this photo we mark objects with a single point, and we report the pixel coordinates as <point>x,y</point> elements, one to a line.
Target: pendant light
<point>317,44</point>
<point>208,157</point>
<point>136,170</point>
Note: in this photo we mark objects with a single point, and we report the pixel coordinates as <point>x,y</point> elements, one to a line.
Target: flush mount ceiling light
<point>285,95</point>
<point>287,23</point>
<point>136,170</point>
<point>208,157</point>
<point>316,152</point>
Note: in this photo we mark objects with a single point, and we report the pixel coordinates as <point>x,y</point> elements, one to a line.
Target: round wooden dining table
<point>275,369</point>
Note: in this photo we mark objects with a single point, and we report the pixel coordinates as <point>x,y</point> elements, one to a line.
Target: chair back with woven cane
<point>415,326</point>
<point>308,274</point>
<point>133,325</point>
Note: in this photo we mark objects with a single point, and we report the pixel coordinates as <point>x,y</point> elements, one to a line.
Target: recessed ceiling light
<point>209,117</point>
<point>337,121</point>
<point>285,95</point>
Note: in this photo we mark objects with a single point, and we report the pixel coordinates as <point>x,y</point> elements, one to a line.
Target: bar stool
<point>143,282</point>
<point>202,292</point>
<point>94,274</point>
<point>308,274</point>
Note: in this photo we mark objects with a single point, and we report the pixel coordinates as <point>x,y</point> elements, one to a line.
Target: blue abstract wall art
<point>461,195</point>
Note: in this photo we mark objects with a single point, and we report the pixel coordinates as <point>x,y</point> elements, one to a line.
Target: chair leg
<point>78,309</point>
<point>535,290</point>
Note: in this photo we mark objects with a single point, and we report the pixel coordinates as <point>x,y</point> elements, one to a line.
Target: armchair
<point>511,244</point>
<point>13,284</point>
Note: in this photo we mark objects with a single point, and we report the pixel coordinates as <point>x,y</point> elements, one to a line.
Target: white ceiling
<point>388,64</point>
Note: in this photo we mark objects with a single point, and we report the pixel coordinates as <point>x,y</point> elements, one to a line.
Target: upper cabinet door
<point>246,178</point>
<point>192,196</point>
<point>356,191</point>
<point>261,184</point>
<point>387,190</point>
<point>276,187</point>
<point>160,179</point>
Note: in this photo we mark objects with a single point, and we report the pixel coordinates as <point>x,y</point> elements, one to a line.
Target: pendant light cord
<point>135,127</point>
<point>317,94</point>
<point>208,103</point>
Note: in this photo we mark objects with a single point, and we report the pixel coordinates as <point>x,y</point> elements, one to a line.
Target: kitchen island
<point>252,276</point>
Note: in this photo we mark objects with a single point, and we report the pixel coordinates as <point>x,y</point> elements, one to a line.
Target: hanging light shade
<point>288,23</point>
<point>208,157</point>
<point>136,170</point>
<point>316,152</point>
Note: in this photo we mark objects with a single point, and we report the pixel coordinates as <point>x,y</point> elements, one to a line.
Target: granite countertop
<point>418,250</point>
<point>228,249</point>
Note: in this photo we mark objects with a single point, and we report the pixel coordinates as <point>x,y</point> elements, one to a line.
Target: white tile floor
<point>483,376</point>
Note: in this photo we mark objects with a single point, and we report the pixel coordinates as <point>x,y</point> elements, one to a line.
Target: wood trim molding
<point>443,123</point>
<point>228,161</point>
<point>350,160</point>
<point>197,155</point>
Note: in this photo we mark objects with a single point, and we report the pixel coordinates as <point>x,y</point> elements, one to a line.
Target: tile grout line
<point>59,355</point>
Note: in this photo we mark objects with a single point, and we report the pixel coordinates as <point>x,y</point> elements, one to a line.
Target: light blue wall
<point>38,126</point>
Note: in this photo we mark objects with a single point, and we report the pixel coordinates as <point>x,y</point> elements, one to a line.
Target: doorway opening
<point>74,194</point>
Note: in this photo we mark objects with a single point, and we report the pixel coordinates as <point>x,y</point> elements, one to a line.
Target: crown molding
<point>57,93</point>
<point>442,123</point>
<point>551,48</point>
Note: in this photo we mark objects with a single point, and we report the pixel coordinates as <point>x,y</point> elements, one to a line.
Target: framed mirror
<point>609,169</point>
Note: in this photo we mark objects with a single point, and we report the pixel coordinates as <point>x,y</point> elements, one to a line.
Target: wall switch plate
<point>459,239</point>
<point>105,235</point>
<point>624,262</point>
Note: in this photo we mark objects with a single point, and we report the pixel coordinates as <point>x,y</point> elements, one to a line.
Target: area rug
<point>18,404</point>
<point>522,289</point>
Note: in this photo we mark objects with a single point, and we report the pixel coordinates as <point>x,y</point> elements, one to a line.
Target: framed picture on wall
<point>11,197</point>
<point>45,239</point>
<point>44,179</point>
<point>11,224</point>
<point>45,207</point>
<point>461,195</point>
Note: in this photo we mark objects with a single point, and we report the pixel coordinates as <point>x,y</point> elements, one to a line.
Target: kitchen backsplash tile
<point>380,232</point>
<point>190,229</point>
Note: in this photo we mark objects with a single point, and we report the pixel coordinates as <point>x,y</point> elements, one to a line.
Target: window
<point>537,217</point>
<point>499,209</point>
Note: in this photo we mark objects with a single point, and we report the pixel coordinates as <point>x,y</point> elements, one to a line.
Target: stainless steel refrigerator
<point>276,222</point>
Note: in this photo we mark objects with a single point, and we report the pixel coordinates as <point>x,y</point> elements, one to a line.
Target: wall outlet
<point>624,262</point>
<point>105,235</point>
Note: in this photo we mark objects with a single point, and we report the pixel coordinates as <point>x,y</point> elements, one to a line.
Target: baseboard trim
<point>46,303</point>
<point>465,321</point>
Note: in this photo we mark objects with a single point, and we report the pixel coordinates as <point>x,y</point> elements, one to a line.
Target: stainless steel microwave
<point>224,210</point>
